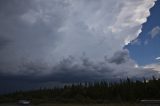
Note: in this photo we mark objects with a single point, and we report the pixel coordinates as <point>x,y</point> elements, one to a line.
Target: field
<point>125,104</point>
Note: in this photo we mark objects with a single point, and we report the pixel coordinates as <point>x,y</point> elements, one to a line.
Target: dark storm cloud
<point>118,66</point>
<point>3,42</point>
<point>26,33</point>
<point>69,70</point>
<point>120,57</point>
<point>37,34</point>
<point>48,30</point>
<point>14,7</point>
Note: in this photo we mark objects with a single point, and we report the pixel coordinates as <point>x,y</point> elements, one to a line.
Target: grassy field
<point>125,104</point>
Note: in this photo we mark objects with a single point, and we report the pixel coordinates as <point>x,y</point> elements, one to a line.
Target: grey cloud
<point>70,69</point>
<point>120,57</point>
<point>43,32</point>
<point>32,68</point>
<point>28,40</point>
<point>52,29</point>
<point>14,7</point>
<point>4,42</point>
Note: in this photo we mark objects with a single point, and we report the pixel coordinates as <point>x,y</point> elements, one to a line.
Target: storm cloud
<point>67,40</point>
<point>72,69</point>
<point>3,42</point>
<point>33,75</point>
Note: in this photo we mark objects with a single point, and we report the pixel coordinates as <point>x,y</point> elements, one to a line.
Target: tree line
<point>92,92</point>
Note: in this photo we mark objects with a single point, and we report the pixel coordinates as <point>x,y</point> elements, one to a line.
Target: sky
<point>145,49</point>
<point>46,43</point>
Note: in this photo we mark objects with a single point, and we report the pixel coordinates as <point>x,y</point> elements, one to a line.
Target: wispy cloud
<point>154,66</point>
<point>155,31</point>
<point>158,58</point>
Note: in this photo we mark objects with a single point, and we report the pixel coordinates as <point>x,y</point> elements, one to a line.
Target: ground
<point>122,104</point>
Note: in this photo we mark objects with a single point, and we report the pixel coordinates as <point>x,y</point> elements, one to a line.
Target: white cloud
<point>158,58</point>
<point>155,31</point>
<point>154,66</point>
<point>93,26</point>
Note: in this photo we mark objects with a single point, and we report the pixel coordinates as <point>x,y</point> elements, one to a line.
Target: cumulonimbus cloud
<point>51,30</point>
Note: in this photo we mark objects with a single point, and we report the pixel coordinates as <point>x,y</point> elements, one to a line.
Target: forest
<point>91,92</point>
